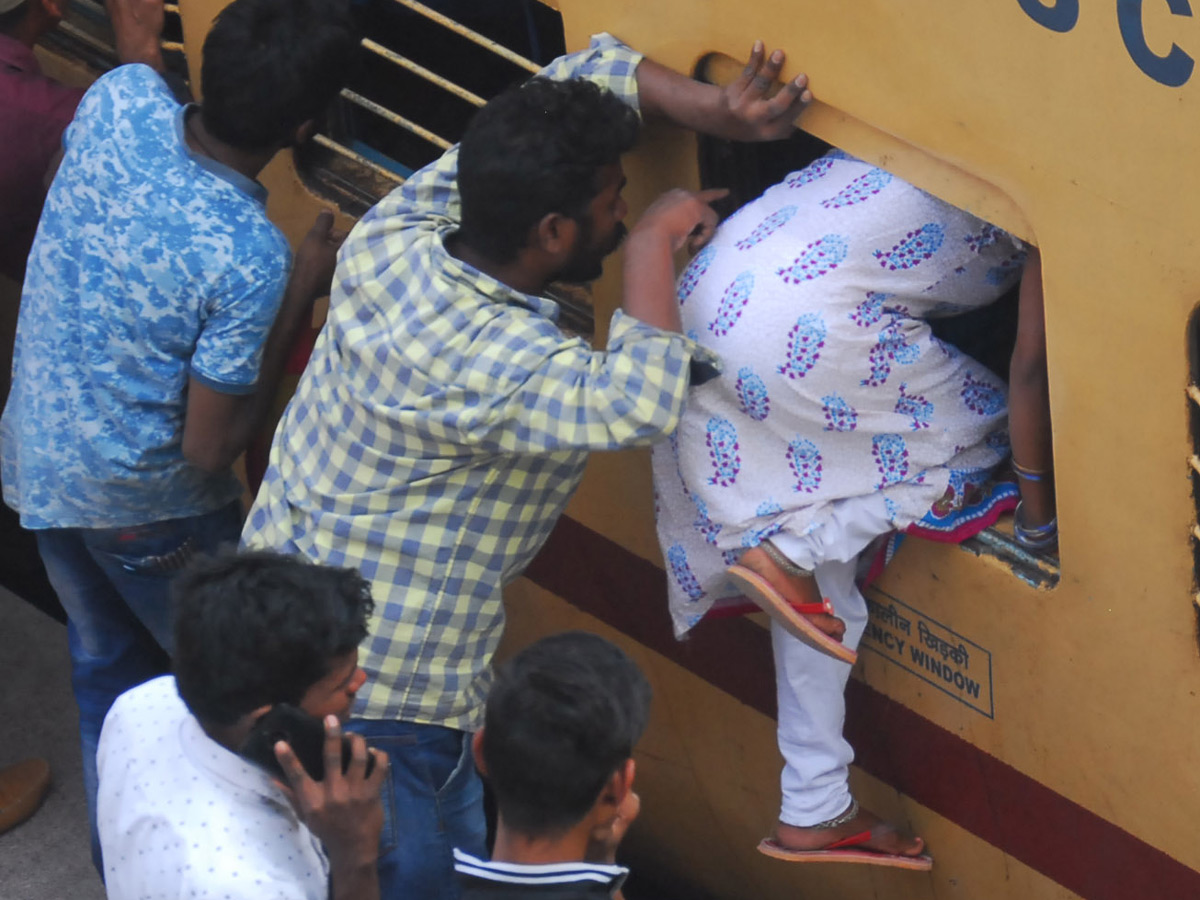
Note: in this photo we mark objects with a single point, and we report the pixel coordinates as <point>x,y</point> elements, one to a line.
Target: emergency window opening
<point>987,334</point>
<point>1193,393</point>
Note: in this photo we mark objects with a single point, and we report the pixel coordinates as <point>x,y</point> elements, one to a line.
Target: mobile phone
<point>305,734</point>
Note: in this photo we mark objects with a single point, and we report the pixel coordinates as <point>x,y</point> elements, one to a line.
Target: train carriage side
<point>1049,755</point>
<point>1033,721</point>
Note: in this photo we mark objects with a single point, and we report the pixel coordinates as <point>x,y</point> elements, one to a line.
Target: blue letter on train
<point>1173,69</point>
<point>1059,16</point>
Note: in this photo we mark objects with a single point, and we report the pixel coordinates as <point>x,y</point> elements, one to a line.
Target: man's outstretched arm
<point>744,110</point>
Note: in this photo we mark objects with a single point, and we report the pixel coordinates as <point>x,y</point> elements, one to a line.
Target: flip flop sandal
<point>792,618</point>
<point>844,851</point>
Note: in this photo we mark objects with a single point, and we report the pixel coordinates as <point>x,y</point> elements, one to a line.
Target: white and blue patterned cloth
<point>151,265</point>
<point>816,297</point>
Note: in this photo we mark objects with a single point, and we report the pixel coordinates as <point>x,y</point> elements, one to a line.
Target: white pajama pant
<point>811,686</point>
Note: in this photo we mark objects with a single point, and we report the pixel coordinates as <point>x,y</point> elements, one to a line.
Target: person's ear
<point>255,714</point>
<point>555,234</point>
<point>618,786</point>
<point>54,9</point>
<point>305,132</point>
<point>477,752</point>
<point>611,814</point>
<point>237,732</point>
<point>627,772</point>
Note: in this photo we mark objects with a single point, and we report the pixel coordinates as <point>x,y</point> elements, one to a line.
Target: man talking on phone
<point>181,811</point>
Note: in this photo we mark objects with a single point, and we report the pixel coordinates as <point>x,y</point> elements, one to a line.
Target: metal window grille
<point>425,68</point>
<point>85,35</point>
<point>424,72</point>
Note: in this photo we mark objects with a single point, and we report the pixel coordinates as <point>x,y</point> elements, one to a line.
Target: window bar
<point>97,44</point>
<point>97,8</point>
<point>406,63</point>
<point>396,119</point>
<point>80,35</point>
<point>101,12</point>
<point>1005,547</point>
<point>473,36</point>
<point>357,157</point>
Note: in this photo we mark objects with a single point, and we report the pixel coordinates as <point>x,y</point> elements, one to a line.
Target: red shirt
<point>34,111</point>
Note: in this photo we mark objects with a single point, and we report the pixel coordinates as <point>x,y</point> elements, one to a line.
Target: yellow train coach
<point>1033,717</point>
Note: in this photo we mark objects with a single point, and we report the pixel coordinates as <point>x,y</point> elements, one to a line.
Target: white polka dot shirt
<point>182,817</point>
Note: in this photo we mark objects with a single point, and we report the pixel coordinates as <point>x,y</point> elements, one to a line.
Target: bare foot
<point>796,589</point>
<point>884,836</point>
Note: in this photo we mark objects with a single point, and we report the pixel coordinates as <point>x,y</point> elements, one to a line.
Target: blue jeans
<point>432,803</point>
<point>114,585</point>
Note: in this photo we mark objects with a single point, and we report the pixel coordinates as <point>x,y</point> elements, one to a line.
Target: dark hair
<point>271,65</point>
<point>533,150</point>
<point>258,628</point>
<point>562,717</point>
<point>14,17</point>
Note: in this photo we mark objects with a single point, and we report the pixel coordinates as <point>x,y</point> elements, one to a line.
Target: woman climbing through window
<point>840,420</point>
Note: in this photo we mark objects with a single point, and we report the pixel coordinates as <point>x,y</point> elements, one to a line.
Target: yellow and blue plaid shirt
<point>442,424</point>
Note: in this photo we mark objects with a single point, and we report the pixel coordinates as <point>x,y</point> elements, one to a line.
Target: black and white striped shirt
<point>482,880</point>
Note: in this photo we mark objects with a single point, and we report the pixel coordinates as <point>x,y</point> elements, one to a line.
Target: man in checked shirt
<point>444,419</point>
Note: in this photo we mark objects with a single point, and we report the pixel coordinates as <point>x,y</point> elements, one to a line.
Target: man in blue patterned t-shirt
<point>155,319</point>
